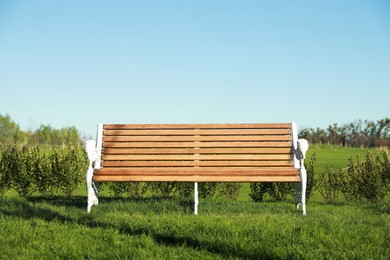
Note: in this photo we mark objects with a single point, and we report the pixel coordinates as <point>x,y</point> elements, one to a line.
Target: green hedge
<point>61,171</point>
<point>361,180</point>
<point>44,170</point>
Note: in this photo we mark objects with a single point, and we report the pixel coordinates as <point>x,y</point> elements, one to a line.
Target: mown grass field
<point>153,228</point>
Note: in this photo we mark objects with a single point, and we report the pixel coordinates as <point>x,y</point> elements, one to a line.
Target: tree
<point>10,133</point>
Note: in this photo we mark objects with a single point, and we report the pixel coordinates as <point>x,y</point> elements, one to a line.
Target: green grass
<point>165,228</point>
<point>334,155</point>
<point>150,228</point>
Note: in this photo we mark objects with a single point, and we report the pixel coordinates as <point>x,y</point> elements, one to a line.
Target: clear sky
<point>79,63</point>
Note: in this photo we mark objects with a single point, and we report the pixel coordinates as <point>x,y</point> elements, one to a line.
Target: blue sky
<point>79,63</point>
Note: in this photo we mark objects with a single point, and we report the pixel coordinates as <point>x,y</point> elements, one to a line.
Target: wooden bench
<point>197,153</point>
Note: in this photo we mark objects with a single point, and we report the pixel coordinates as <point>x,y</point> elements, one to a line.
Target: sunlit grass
<point>166,228</point>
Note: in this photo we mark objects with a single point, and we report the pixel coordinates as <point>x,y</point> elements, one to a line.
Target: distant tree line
<point>12,135</point>
<point>359,133</point>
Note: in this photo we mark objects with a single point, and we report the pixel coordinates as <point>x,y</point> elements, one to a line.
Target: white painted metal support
<point>196,199</point>
<point>99,143</point>
<point>303,183</point>
<point>294,130</point>
<point>300,155</point>
<point>94,155</point>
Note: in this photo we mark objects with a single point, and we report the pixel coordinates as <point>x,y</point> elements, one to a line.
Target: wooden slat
<point>196,126</point>
<point>197,132</point>
<point>195,138</point>
<point>198,174</point>
<point>197,163</point>
<point>193,144</point>
<point>196,157</point>
<point>199,151</point>
<point>138,178</point>
<point>198,171</point>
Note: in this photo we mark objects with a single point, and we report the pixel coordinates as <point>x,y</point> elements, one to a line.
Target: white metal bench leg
<point>299,161</point>
<point>301,192</point>
<point>94,155</point>
<point>91,190</point>
<point>196,199</point>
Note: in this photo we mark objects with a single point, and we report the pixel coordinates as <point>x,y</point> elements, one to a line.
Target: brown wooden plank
<point>196,157</point>
<point>197,163</point>
<point>195,138</point>
<point>140,178</point>
<point>197,171</point>
<point>193,144</point>
<point>197,126</point>
<point>198,132</point>
<point>199,151</point>
<point>198,174</point>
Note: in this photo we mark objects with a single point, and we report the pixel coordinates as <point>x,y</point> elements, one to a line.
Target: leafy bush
<point>207,189</point>
<point>70,167</point>
<point>185,189</point>
<point>258,190</point>
<point>161,189</point>
<point>48,171</point>
<point>19,170</point>
<point>229,190</point>
<point>118,188</point>
<point>5,182</point>
<point>310,166</point>
<point>276,190</point>
<point>42,173</point>
<point>133,189</point>
<point>367,180</point>
<point>329,184</point>
<point>386,170</point>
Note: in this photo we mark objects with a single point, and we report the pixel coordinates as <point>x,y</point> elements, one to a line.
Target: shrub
<point>386,169</point>
<point>329,184</point>
<point>310,166</point>
<point>68,165</point>
<point>161,189</point>
<point>138,189</point>
<point>374,186</point>
<point>258,190</point>
<point>133,189</point>
<point>47,171</point>
<point>207,189</point>
<point>368,180</point>
<point>185,189</point>
<point>5,176</point>
<point>229,190</point>
<point>118,188</point>
<point>18,170</point>
<point>43,177</point>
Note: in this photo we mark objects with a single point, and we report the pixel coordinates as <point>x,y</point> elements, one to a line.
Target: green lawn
<point>165,229</point>
<point>335,156</point>
<point>151,228</point>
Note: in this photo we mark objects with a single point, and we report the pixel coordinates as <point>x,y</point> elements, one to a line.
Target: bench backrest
<point>197,152</point>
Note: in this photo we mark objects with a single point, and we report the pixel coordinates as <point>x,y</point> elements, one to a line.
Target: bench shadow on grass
<point>33,208</point>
